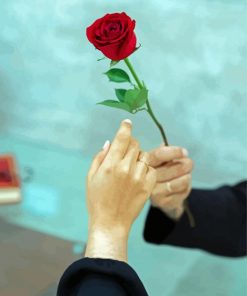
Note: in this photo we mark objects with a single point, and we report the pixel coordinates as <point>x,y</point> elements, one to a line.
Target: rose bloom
<point>113,35</point>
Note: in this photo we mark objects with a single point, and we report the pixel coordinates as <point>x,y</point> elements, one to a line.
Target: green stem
<point>150,112</point>
<point>127,62</point>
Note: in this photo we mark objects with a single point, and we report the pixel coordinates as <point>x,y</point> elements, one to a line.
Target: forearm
<point>105,271</point>
<point>108,243</point>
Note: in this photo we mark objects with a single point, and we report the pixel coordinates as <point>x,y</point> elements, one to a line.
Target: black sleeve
<point>95,277</point>
<point>220,217</point>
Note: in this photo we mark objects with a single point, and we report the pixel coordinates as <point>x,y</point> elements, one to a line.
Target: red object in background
<point>9,180</point>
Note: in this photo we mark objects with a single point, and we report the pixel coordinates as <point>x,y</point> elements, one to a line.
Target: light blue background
<point>193,60</point>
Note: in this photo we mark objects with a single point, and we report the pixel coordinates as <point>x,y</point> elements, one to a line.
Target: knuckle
<point>137,180</point>
<point>122,170</point>
<point>108,169</point>
<point>122,135</point>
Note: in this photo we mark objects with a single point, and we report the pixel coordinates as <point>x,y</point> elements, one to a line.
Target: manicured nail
<point>185,152</point>
<point>107,143</point>
<point>128,121</point>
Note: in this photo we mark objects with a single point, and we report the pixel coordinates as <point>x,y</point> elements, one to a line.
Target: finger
<point>141,168</point>
<point>173,170</point>
<point>120,143</point>
<point>151,178</point>
<point>164,154</point>
<point>180,184</point>
<point>131,155</point>
<point>175,200</point>
<point>98,159</point>
<point>160,197</point>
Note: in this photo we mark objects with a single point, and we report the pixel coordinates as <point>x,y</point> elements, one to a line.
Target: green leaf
<point>142,98</point>
<point>136,98</point>
<point>117,75</point>
<point>120,93</point>
<point>130,97</point>
<point>116,104</point>
<point>113,63</point>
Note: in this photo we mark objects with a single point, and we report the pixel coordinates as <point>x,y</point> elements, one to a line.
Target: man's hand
<point>173,183</point>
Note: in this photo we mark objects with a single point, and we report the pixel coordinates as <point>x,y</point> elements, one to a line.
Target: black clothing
<point>220,217</point>
<point>100,277</point>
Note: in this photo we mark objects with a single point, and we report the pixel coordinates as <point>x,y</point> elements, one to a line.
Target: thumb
<point>98,159</point>
<point>163,154</point>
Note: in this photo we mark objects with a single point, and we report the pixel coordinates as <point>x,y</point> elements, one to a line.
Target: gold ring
<point>144,163</point>
<point>168,187</point>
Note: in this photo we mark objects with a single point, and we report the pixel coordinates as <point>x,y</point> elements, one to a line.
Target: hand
<point>118,185</point>
<point>173,184</point>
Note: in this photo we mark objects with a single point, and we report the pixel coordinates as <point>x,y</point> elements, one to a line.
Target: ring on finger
<point>140,160</point>
<point>142,155</point>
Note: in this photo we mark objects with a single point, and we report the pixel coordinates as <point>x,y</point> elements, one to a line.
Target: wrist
<point>107,242</point>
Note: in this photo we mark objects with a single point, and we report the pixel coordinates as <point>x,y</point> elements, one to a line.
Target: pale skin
<point>118,185</point>
<point>174,166</point>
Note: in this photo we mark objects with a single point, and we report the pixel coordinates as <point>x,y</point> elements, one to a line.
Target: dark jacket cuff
<point>117,274</point>
<point>158,226</point>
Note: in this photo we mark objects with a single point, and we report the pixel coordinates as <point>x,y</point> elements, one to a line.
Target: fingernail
<point>185,152</point>
<point>127,120</point>
<point>106,144</point>
<point>168,148</point>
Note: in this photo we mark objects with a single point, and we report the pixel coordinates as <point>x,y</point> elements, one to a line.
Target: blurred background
<point>193,61</point>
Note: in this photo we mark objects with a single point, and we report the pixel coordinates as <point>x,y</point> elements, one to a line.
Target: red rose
<point>113,35</point>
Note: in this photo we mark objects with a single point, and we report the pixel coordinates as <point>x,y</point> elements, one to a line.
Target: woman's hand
<point>118,185</point>
<point>173,179</point>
